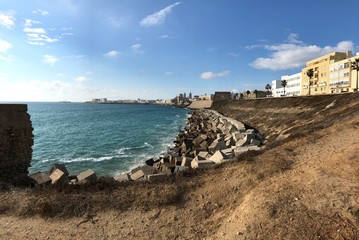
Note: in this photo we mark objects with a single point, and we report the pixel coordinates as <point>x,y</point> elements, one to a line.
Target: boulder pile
<point>208,139</point>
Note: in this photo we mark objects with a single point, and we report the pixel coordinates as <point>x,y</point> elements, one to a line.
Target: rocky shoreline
<point>208,139</point>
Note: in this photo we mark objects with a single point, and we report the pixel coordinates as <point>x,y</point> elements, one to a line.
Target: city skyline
<point>76,50</point>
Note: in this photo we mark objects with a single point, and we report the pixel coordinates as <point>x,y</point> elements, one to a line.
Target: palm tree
<point>255,92</point>
<point>310,74</point>
<point>268,87</point>
<point>284,84</point>
<point>248,93</point>
<point>355,66</point>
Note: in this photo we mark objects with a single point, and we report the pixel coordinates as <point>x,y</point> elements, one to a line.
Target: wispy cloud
<point>40,12</point>
<point>137,48</point>
<point>80,79</point>
<point>233,54</point>
<point>7,20</point>
<point>50,60</point>
<point>212,75</point>
<point>294,53</point>
<point>158,17</point>
<point>35,35</point>
<point>112,53</point>
<point>168,73</point>
<point>4,45</point>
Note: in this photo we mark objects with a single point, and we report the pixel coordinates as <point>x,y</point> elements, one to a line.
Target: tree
<point>284,84</point>
<point>310,74</point>
<point>255,92</point>
<point>248,93</point>
<point>355,66</point>
<point>268,87</point>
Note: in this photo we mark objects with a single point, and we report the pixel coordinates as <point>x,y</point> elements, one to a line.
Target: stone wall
<point>16,140</point>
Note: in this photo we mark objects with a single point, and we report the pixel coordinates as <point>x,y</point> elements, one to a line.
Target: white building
<point>293,88</point>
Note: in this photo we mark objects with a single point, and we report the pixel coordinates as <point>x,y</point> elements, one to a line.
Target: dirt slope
<point>303,187</point>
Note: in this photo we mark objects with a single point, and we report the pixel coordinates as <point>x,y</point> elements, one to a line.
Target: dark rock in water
<point>150,162</point>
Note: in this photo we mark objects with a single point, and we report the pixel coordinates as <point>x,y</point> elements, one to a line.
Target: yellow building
<point>342,78</point>
<point>319,83</point>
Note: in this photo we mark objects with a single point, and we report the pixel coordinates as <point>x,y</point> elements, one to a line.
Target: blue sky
<point>77,50</point>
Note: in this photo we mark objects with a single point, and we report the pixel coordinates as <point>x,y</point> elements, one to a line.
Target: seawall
<point>16,140</point>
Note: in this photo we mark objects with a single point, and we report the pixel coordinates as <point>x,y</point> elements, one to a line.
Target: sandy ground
<point>306,188</point>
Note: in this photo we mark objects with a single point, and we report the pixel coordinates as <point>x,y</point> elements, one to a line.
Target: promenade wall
<point>16,140</point>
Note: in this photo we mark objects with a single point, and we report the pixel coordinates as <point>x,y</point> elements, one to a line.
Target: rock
<point>255,142</point>
<point>201,163</point>
<point>122,177</point>
<point>157,176</point>
<point>86,176</point>
<point>41,178</point>
<point>150,162</point>
<point>137,175</point>
<point>218,157</point>
<point>186,161</point>
<point>59,166</point>
<point>57,176</point>
<point>202,155</point>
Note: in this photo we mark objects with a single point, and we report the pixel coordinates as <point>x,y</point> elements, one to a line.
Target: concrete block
<point>217,157</point>
<point>255,142</point>
<point>203,144</point>
<point>237,136</point>
<point>40,178</point>
<point>202,155</point>
<point>240,150</point>
<point>227,153</point>
<point>88,175</point>
<point>150,162</point>
<point>157,176</point>
<point>58,176</point>
<point>122,177</point>
<point>137,175</point>
<point>241,142</point>
<point>186,161</point>
<point>201,163</point>
<point>59,166</point>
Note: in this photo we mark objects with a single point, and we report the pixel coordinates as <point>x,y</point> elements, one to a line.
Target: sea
<point>108,138</point>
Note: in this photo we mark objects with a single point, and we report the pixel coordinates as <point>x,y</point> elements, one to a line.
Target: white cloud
<point>136,46</point>
<point>80,79</point>
<point>112,53</point>
<point>7,20</point>
<point>4,45</point>
<point>41,12</point>
<point>294,54</point>
<point>158,17</point>
<point>50,60</point>
<point>36,36</point>
<point>212,75</point>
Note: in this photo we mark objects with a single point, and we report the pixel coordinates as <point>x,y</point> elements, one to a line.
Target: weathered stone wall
<point>16,140</point>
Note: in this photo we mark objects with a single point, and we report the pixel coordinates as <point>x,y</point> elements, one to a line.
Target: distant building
<point>342,78</point>
<point>319,83</point>
<point>293,88</point>
<point>220,96</point>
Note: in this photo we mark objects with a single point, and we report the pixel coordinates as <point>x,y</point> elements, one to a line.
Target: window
<point>346,74</point>
<point>346,65</point>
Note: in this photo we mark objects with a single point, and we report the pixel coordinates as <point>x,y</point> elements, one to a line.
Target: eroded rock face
<point>16,140</point>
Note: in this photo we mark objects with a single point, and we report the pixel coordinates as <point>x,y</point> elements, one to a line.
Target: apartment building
<point>293,88</point>
<point>342,78</point>
<point>319,83</point>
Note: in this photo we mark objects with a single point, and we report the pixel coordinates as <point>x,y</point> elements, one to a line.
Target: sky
<point>76,50</point>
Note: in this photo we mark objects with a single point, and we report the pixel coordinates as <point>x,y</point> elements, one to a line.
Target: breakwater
<point>208,139</point>
<point>16,142</point>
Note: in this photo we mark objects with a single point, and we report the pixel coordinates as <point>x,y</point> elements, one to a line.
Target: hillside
<point>305,185</point>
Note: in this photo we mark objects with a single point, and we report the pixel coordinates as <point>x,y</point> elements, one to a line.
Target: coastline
<point>208,139</point>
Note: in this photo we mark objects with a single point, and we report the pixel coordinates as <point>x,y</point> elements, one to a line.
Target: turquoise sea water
<point>108,138</point>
